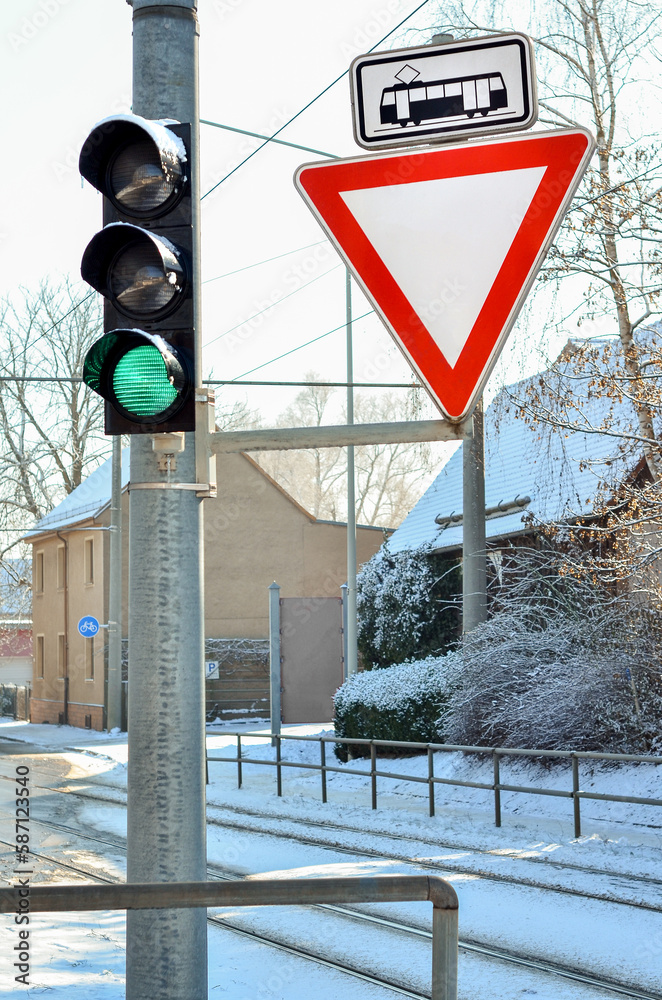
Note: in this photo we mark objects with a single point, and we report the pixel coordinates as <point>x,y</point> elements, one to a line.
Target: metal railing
<point>267,892</point>
<point>576,793</point>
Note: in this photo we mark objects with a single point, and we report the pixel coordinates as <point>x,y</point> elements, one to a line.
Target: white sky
<point>67,64</point>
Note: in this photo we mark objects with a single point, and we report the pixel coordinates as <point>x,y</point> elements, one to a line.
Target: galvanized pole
<point>474,558</point>
<point>343,588</point>
<point>166,949</point>
<point>351,663</point>
<point>114,691</point>
<point>274,658</point>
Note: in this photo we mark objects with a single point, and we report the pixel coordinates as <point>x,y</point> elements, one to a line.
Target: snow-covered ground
<point>88,953</point>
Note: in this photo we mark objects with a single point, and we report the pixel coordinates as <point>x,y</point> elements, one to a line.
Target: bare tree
<point>389,478</point>
<point>595,70</point>
<point>51,428</point>
<point>313,476</point>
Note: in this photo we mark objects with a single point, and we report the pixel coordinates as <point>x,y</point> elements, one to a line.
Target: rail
<point>496,786</point>
<point>266,892</point>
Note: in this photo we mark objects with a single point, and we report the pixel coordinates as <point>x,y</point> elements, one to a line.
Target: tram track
<point>538,966</point>
<point>448,866</point>
<point>118,797</point>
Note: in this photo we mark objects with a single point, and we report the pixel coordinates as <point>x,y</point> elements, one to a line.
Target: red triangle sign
<point>446,243</point>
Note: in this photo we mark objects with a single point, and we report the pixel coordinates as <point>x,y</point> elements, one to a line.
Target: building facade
<point>254,534</point>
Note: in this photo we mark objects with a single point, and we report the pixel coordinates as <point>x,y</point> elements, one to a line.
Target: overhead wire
<point>268,138</point>
<point>267,260</point>
<point>271,305</point>
<point>301,346</point>
<point>309,104</point>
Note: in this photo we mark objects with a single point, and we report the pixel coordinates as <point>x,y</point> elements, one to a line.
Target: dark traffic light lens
<point>141,382</point>
<point>140,281</point>
<point>139,182</point>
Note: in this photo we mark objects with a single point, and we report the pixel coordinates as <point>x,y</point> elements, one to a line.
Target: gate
<point>311,657</point>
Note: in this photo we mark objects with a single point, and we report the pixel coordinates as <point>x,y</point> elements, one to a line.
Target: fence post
<point>323,767</point>
<point>575,795</point>
<point>431,780</point>
<point>274,659</point>
<point>444,954</point>
<point>373,776</point>
<point>279,770</point>
<point>497,790</point>
<point>238,760</point>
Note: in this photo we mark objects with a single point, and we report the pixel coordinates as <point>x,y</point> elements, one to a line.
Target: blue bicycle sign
<point>88,626</point>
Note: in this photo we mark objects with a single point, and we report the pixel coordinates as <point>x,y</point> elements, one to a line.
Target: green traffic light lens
<point>141,382</point>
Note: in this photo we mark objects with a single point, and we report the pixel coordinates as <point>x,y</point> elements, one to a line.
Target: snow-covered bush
<point>405,605</point>
<point>403,702</point>
<point>558,681</point>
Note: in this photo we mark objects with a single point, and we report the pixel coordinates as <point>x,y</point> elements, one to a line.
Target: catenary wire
<point>271,305</point>
<point>268,260</point>
<point>310,103</point>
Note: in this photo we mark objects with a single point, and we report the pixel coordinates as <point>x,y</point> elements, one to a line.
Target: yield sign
<point>446,243</point>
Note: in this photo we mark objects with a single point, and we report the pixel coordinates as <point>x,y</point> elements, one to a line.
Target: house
<point>537,472</point>
<point>254,533</point>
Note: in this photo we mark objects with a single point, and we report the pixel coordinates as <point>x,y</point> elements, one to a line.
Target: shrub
<point>405,604</point>
<point>397,703</point>
<point>555,684</point>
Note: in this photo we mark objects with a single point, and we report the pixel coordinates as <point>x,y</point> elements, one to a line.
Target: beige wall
<point>256,534</point>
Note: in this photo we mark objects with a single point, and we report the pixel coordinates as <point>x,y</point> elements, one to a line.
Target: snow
<point>162,137</point>
<point>77,955</point>
<point>407,682</point>
<point>86,501</point>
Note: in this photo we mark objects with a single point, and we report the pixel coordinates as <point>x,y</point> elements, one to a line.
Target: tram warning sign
<point>446,243</point>
<point>416,95</point>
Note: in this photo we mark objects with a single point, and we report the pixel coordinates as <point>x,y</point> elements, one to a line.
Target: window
<point>89,560</point>
<point>435,92</point>
<point>39,656</point>
<point>39,573</point>
<point>453,89</point>
<point>61,567</point>
<point>89,659</point>
<point>61,654</point>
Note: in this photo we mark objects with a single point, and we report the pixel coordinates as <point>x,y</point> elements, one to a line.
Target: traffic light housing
<point>141,262</point>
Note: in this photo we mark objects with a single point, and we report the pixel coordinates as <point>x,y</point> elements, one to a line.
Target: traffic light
<point>141,262</point>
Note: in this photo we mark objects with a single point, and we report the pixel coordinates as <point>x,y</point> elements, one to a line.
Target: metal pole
<point>114,694</point>
<point>351,662</point>
<point>274,657</point>
<point>167,949</point>
<point>444,953</point>
<point>343,588</point>
<point>335,436</point>
<point>474,568</point>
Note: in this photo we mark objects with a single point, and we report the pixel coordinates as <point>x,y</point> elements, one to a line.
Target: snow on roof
<point>561,470</point>
<point>86,501</point>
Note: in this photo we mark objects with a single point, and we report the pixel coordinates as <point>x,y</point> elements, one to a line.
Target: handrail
<point>496,786</point>
<point>267,892</point>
